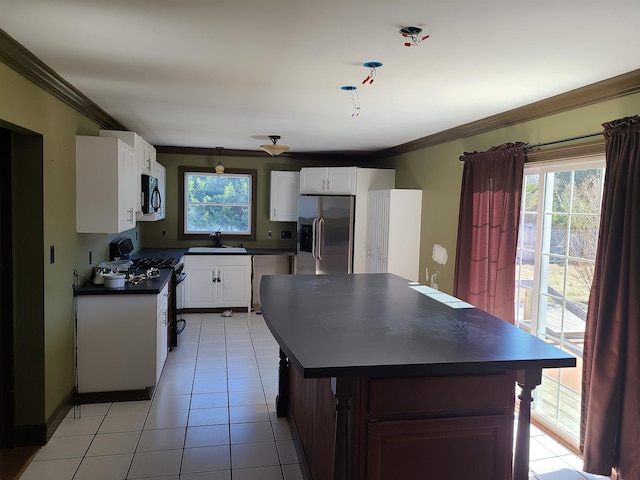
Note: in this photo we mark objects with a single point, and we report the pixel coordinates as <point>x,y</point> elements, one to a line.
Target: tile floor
<point>212,417</point>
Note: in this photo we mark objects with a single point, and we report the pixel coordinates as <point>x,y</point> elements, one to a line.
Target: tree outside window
<point>218,202</point>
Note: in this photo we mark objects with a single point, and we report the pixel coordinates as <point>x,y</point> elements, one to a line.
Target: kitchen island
<point>383,382</point>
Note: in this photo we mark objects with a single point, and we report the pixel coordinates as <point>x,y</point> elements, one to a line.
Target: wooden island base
<point>384,382</point>
<point>458,427</point>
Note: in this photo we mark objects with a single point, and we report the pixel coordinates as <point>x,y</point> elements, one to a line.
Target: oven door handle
<point>181,278</point>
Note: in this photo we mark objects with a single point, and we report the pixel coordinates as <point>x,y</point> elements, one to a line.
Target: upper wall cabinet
<point>285,187</point>
<point>107,185</point>
<point>328,181</point>
<point>144,151</point>
<point>145,155</point>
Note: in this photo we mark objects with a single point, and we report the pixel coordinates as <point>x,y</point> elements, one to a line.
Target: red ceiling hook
<point>372,66</point>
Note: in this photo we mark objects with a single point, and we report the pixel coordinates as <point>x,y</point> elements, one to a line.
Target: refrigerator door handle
<point>320,238</point>
<point>314,235</point>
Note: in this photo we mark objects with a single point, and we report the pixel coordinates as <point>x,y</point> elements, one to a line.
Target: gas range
<point>155,262</point>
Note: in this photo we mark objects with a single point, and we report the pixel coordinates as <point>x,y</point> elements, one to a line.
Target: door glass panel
<point>555,266</point>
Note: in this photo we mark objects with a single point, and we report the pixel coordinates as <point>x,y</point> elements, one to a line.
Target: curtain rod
<point>537,145</point>
<point>529,147</point>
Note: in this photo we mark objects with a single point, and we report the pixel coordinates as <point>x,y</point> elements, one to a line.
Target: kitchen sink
<point>224,250</point>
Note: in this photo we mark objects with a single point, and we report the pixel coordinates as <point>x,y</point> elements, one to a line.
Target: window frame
<point>183,235</point>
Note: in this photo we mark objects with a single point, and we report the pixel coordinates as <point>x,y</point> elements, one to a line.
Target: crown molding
<point>17,57</point>
<point>24,62</point>
<point>615,87</point>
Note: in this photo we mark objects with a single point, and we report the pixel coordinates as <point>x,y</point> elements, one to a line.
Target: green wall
<point>153,231</point>
<point>438,172</point>
<point>44,216</point>
<point>44,334</point>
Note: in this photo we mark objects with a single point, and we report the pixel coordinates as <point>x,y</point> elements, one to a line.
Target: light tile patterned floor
<point>212,417</point>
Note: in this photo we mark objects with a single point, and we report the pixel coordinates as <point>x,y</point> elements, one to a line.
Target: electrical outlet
<point>269,234</point>
<point>164,233</point>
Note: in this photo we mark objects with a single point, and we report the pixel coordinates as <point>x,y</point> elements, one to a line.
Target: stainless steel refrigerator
<point>325,234</point>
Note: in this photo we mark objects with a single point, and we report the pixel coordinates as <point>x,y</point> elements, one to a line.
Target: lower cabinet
<point>454,427</point>
<point>217,281</point>
<point>122,344</point>
<point>458,448</point>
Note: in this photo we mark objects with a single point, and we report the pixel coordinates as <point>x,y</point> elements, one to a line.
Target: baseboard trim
<point>116,396</point>
<point>39,434</point>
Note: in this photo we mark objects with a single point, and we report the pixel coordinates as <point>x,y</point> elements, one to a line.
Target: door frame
<point>7,357</point>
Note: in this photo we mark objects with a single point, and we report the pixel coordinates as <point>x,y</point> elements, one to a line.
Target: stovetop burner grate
<point>152,262</point>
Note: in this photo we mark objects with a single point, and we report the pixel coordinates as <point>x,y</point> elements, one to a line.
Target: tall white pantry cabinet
<point>393,232</point>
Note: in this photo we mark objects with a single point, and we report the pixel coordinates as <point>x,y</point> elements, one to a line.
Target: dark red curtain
<point>488,229</point>
<point>611,375</point>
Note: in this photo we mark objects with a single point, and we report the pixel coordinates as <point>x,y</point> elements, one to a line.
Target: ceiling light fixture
<point>413,34</point>
<point>219,166</point>
<point>274,149</point>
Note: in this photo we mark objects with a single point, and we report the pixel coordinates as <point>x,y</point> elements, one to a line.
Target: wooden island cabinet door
<point>451,448</point>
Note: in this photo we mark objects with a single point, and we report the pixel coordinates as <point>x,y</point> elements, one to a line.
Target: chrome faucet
<point>217,243</point>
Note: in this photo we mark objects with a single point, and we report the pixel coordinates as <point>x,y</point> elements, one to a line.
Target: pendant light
<point>274,149</point>
<point>219,166</point>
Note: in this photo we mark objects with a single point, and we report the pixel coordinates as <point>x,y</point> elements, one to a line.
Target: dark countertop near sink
<point>152,286</point>
<point>271,251</point>
<point>179,252</point>
<point>159,253</point>
<point>155,285</point>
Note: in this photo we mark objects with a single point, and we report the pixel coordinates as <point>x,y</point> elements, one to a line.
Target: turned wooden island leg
<point>343,389</point>
<point>527,380</point>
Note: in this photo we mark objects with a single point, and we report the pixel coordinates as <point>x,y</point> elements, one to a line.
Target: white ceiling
<point>207,73</point>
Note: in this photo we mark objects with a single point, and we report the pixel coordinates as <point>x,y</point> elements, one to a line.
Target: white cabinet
<point>328,181</point>
<point>162,332</point>
<point>107,195</point>
<point>393,232</point>
<point>122,341</point>
<point>217,281</point>
<point>285,188</point>
<point>145,160</point>
<point>145,152</point>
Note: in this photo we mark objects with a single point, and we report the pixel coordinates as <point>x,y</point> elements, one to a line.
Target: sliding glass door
<point>557,242</point>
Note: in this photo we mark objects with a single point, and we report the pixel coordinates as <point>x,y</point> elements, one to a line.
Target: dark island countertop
<point>363,325</point>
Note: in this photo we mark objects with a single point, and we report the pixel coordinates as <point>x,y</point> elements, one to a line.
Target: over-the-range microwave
<point>151,199</point>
